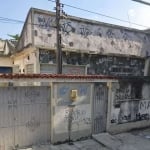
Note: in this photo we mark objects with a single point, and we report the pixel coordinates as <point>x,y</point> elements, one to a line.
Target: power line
<point>10,20</point>
<point>100,14</point>
<point>15,21</point>
<point>143,2</point>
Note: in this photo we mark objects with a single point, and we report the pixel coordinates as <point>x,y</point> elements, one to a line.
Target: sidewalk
<point>135,140</point>
<point>89,144</point>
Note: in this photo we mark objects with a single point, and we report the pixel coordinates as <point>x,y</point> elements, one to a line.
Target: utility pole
<point>58,35</point>
<point>143,2</point>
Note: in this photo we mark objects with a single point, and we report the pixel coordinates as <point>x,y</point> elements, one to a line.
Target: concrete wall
<point>66,120</point>
<point>27,57</point>
<point>26,34</point>
<point>129,106</point>
<point>97,64</point>
<point>25,116</point>
<point>7,47</point>
<point>6,61</point>
<point>66,69</point>
<point>90,36</point>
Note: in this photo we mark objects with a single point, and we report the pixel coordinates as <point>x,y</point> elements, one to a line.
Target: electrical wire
<point>14,21</point>
<point>100,14</point>
<point>11,20</point>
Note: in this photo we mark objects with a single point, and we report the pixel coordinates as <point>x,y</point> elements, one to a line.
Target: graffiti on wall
<point>128,103</point>
<point>137,111</point>
<point>104,38</point>
<point>79,117</point>
<point>45,22</point>
<point>85,31</point>
<point>46,56</point>
<point>32,95</point>
<point>32,124</point>
<point>98,64</point>
<point>127,92</point>
<point>78,112</point>
<point>144,110</point>
<point>113,65</point>
<point>123,93</point>
<point>67,28</point>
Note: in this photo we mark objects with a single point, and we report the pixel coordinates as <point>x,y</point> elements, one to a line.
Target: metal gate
<point>24,116</point>
<point>99,108</point>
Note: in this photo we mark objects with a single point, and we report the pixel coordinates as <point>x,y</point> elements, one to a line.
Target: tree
<point>15,37</point>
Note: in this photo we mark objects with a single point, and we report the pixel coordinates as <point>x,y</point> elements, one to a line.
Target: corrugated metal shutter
<point>24,116</point>
<point>32,116</point>
<point>48,68</point>
<point>66,69</point>
<point>30,68</point>
<point>16,69</point>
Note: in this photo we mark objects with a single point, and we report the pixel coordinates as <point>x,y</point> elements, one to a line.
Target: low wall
<point>70,108</point>
<point>129,106</point>
<point>71,120</point>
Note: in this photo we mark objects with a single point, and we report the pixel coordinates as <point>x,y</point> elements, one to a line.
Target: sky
<point>131,12</point>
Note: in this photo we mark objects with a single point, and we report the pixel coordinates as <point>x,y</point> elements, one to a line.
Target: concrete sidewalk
<point>89,144</point>
<point>123,141</point>
<point>136,140</point>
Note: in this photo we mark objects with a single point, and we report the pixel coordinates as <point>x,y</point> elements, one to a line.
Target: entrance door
<point>100,108</point>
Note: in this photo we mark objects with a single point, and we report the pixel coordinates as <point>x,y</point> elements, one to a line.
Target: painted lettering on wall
<point>132,111</point>
<point>122,94</point>
<point>67,28</point>
<point>144,106</point>
<point>33,124</point>
<point>99,64</point>
<point>12,104</point>
<point>104,39</point>
<point>85,32</point>
<point>32,95</point>
<point>78,116</point>
<point>45,22</point>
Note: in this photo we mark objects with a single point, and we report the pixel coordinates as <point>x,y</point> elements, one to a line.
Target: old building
<point>7,47</point>
<point>89,47</point>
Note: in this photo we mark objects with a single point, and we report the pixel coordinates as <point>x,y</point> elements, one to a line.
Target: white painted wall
<point>6,61</point>
<point>90,36</point>
<point>26,35</point>
<point>130,113</point>
<point>61,111</point>
<point>25,59</point>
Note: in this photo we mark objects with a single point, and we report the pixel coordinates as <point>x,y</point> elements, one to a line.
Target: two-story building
<point>7,47</point>
<point>88,47</point>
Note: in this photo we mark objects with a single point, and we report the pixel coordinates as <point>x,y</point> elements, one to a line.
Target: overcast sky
<point>127,10</point>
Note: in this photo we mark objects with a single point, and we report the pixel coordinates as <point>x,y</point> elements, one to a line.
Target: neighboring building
<point>7,47</point>
<point>89,47</point>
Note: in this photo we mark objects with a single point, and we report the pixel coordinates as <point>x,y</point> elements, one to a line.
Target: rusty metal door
<point>24,116</point>
<point>99,108</point>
